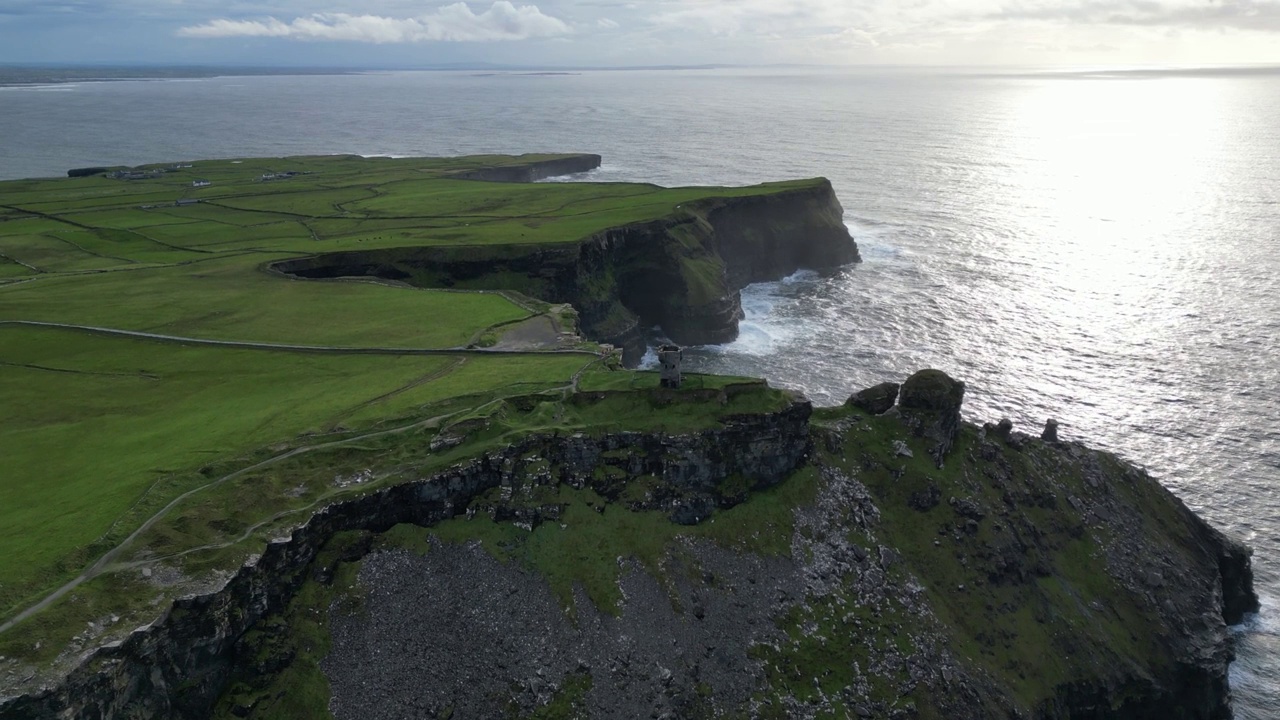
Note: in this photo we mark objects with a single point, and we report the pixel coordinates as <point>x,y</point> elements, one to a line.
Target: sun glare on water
<point>1109,177</point>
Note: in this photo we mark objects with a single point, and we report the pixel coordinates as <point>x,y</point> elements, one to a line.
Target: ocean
<point>1100,248</point>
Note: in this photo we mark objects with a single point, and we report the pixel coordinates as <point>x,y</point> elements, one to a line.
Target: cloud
<point>1219,14</point>
<point>451,23</point>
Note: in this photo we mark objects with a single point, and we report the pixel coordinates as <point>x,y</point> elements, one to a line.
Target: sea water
<point>1103,249</point>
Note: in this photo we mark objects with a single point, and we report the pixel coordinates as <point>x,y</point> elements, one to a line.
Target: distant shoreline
<point>45,75</point>
<point>35,76</point>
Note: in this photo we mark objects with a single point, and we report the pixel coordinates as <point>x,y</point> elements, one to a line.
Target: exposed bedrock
<point>682,273</point>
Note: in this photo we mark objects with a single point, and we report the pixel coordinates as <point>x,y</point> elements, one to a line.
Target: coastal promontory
<point>355,438</point>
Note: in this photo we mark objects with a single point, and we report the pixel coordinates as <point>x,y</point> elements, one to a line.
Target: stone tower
<point>669,357</point>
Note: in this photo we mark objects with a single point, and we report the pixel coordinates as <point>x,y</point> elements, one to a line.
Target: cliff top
<point>168,396</point>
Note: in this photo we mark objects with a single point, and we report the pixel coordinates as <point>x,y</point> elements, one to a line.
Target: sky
<point>588,33</point>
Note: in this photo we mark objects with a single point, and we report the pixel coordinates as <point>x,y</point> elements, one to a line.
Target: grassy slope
<point>102,432</point>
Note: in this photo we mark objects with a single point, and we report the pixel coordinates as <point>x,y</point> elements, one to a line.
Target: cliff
<point>883,562</point>
<point>682,273</point>
<point>534,170</point>
<point>177,666</point>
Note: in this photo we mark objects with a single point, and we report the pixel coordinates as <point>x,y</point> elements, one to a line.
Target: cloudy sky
<point>382,33</point>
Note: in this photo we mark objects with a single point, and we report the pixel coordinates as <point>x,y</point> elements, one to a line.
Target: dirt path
<point>280,347</point>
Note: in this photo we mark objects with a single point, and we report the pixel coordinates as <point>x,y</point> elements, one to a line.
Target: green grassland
<point>221,445</point>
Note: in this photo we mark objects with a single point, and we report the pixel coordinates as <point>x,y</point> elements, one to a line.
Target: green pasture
<point>91,423</point>
<point>94,423</point>
<point>222,299</point>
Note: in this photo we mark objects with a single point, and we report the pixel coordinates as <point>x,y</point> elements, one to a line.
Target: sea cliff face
<point>682,273</point>
<point>919,568</point>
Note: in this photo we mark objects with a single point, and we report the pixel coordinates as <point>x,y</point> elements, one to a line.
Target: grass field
<point>102,432</point>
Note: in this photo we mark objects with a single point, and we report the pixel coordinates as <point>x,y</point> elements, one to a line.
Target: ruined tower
<point>669,357</point>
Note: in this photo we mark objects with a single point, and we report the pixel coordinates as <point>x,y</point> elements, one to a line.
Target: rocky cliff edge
<point>884,560</point>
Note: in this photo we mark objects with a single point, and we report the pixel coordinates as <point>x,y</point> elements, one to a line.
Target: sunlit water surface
<point>1104,251</point>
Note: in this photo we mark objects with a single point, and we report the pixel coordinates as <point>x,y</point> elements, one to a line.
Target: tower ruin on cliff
<point>669,357</point>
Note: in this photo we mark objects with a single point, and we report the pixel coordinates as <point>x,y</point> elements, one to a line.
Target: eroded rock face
<point>488,640</point>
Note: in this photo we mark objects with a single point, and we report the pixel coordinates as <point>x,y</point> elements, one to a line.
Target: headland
<point>274,415</point>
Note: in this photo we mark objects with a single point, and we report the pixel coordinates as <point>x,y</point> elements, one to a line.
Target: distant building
<point>186,201</point>
<point>200,183</point>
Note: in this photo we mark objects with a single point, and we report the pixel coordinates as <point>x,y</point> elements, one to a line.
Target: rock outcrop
<point>876,400</point>
<point>929,404</point>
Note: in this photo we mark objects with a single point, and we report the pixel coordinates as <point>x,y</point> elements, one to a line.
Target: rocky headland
<point>736,553</point>
<point>815,563</point>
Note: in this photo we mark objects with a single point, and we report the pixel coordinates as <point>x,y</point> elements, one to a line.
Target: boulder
<point>876,399</point>
<point>929,402</point>
<point>932,390</point>
<point>1002,430</point>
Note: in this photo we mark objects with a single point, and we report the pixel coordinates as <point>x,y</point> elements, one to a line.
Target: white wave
<point>763,329</point>
<point>876,240</point>
<point>799,276</point>
<point>1267,620</point>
